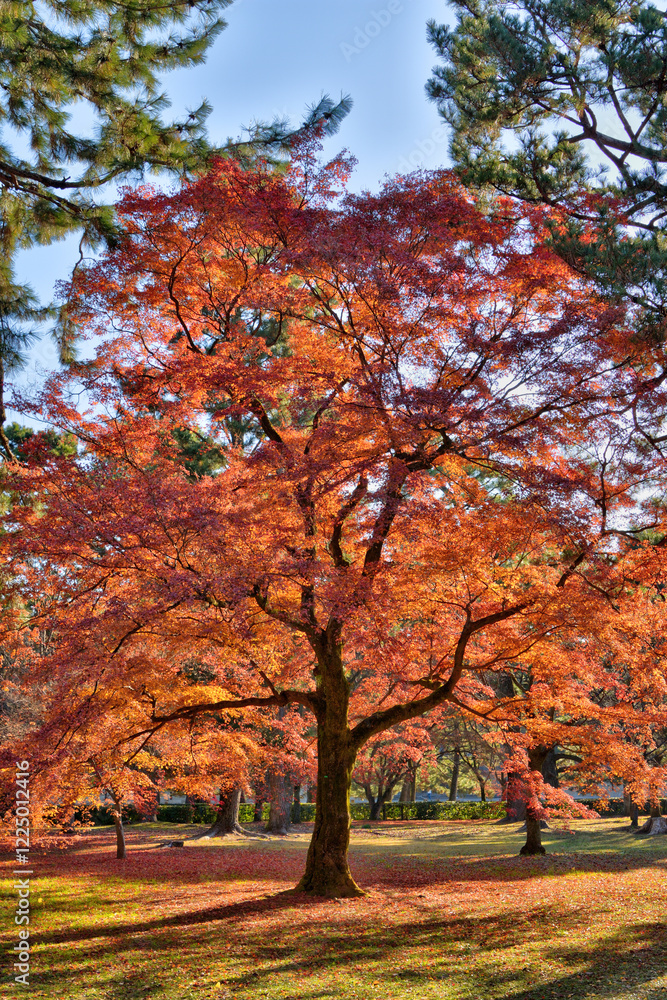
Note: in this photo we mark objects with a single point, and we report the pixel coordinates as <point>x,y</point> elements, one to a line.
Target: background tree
<point>55,165</point>
<point>387,759</point>
<point>563,103</point>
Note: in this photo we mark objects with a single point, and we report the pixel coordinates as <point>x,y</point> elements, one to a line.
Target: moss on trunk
<point>327,872</point>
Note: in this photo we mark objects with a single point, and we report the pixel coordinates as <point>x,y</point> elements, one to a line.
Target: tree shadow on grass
<point>463,952</point>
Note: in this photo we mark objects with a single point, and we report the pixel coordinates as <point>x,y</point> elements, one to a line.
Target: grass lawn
<point>451,912</point>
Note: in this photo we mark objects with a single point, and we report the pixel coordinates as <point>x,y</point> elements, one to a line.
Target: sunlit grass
<point>452,912</point>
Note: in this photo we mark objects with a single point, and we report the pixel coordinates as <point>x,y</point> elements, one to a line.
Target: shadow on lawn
<point>458,952</point>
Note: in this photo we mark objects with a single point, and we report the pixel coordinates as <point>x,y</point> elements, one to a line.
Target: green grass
<point>451,912</point>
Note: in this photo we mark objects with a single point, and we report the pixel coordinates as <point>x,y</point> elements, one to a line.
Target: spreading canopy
<point>428,472</point>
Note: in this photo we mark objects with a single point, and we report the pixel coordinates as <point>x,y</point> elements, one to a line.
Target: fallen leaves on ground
<point>451,912</point>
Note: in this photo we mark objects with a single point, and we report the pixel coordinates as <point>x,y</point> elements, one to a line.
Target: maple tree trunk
<point>374,803</point>
<point>120,834</point>
<point>259,808</point>
<point>550,769</point>
<point>327,872</point>
<point>376,809</point>
<point>379,804</point>
<point>227,820</point>
<point>516,807</point>
<point>408,789</point>
<point>533,845</point>
<point>656,822</point>
<point>297,803</point>
<point>280,801</point>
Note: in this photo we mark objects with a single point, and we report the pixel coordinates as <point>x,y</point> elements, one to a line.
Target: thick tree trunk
<point>655,824</point>
<point>378,805</point>
<point>533,843</point>
<point>227,819</point>
<point>120,833</point>
<point>375,804</point>
<point>516,807</point>
<point>536,758</point>
<point>280,802</point>
<point>327,872</point>
<point>409,789</point>
<point>631,810</point>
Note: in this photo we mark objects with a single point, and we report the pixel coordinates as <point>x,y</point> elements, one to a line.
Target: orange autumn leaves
<point>427,471</point>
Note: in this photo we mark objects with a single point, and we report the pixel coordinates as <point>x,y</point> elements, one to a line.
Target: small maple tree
<point>388,758</point>
<point>426,474</point>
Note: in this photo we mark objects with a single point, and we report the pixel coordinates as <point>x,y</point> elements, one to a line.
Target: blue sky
<point>274,58</point>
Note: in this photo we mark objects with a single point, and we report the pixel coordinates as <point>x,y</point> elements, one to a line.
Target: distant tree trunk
<point>655,824</point>
<point>374,803</point>
<point>117,813</point>
<point>533,843</point>
<point>482,787</point>
<point>259,808</point>
<point>409,790</point>
<point>631,810</point>
<point>297,804</point>
<point>281,793</point>
<point>311,793</point>
<point>378,803</point>
<point>516,807</point>
<point>550,770</point>
<point>227,819</point>
<point>536,758</point>
<point>454,783</point>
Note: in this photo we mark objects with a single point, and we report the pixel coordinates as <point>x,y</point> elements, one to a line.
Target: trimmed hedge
<point>102,817</point>
<point>433,810</point>
<point>247,812</point>
<point>616,807</point>
<point>307,811</point>
<point>200,812</point>
<point>204,813</point>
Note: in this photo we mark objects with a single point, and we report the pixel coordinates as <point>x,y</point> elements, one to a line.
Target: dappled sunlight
<point>451,912</point>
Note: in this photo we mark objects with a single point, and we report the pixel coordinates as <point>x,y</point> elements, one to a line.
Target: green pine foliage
<point>64,61</point>
<point>564,102</point>
<point>81,106</point>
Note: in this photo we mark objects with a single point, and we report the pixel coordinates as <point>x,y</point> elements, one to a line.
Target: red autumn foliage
<point>425,476</point>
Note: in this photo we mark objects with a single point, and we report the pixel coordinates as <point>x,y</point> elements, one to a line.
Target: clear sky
<point>274,58</point>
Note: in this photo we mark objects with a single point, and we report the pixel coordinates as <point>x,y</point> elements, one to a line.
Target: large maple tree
<point>426,473</point>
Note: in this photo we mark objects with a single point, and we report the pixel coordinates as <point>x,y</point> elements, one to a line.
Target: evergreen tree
<point>61,57</point>
<point>564,102</point>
